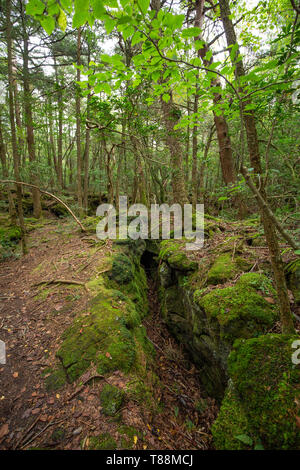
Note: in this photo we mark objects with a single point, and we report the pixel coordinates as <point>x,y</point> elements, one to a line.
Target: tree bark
<point>78,124</point>
<point>37,207</point>
<point>254,155</point>
<point>12,123</point>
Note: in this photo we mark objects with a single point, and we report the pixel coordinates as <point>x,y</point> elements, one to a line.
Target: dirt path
<point>32,318</point>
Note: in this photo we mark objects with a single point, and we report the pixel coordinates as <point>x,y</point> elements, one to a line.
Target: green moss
<point>173,252</point>
<point>111,399</point>
<point>268,384</point>
<point>225,268</point>
<point>127,276</point>
<point>56,379</point>
<point>128,434</point>
<point>101,338</point>
<point>102,442</point>
<point>240,311</point>
<point>10,233</point>
<point>230,423</point>
<point>58,434</point>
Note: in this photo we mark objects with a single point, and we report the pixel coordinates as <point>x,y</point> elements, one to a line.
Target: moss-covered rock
<point>102,442</point>
<point>226,267</point>
<point>128,276</point>
<point>109,334</point>
<point>222,270</point>
<point>102,337</point>
<point>111,399</point>
<point>240,311</point>
<point>173,252</point>
<point>267,393</point>
<point>231,423</point>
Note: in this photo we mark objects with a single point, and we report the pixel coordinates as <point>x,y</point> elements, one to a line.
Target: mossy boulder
<point>173,252</point>
<point>225,268</point>
<point>231,423</point>
<point>102,442</point>
<point>111,399</point>
<point>240,311</point>
<point>109,334</point>
<point>128,276</point>
<point>267,394</point>
<point>102,337</point>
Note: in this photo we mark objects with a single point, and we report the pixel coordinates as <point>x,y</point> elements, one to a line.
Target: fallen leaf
<point>16,374</point>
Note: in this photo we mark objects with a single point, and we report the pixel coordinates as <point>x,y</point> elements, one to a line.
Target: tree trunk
<point>11,204</point>
<point>36,197</point>
<point>78,124</point>
<point>254,155</point>
<point>224,141</point>
<point>12,123</point>
<point>173,140</point>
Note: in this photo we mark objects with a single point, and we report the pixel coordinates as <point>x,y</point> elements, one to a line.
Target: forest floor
<point>32,318</point>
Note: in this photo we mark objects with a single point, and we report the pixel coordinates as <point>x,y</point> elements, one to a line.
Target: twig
<point>26,432</point>
<point>41,432</point>
<point>96,376</point>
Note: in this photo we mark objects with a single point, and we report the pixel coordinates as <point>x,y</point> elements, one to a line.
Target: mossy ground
<point>111,399</point>
<point>267,393</point>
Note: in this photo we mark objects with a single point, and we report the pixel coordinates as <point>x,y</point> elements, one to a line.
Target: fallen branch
<point>40,432</point>
<point>61,281</point>
<point>96,376</point>
<point>266,208</point>
<point>48,194</point>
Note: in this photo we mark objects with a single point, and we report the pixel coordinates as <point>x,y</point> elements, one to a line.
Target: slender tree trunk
<point>224,141</point>
<point>253,147</point>
<point>60,106</point>
<point>12,123</point>
<point>36,197</point>
<point>195,154</point>
<point>173,140</point>
<point>78,124</point>
<point>86,155</point>
<point>11,204</point>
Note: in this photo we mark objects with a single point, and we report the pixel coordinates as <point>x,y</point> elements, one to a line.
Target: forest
<point>132,342</point>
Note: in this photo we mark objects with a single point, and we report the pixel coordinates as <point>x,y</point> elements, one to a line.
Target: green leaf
<point>224,198</point>
<point>144,5</point>
<point>166,97</point>
<point>35,7</point>
<point>62,20</point>
<point>297,252</point>
<point>109,25</point>
<point>245,439</point>
<point>98,8</point>
<point>136,38</point>
<point>48,24</point>
<point>129,31</point>
<point>79,18</point>
<point>191,32</point>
